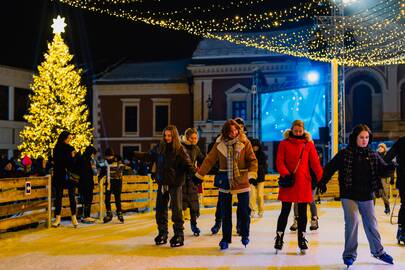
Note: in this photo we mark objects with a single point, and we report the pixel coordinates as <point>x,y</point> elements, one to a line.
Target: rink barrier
<point>24,201</point>
<point>138,195</point>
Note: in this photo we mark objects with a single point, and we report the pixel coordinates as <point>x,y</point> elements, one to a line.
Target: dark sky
<point>96,40</point>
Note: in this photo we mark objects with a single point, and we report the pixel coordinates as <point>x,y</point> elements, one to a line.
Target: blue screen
<point>280,109</point>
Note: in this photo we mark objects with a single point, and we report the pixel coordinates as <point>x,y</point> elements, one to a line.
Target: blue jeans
<point>226,213</point>
<point>366,209</point>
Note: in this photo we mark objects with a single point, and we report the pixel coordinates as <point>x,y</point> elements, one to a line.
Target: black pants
<point>285,212</point>
<point>116,189</point>
<point>174,194</point>
<point>87,198</point>
<point>59,185</point>
<point>218,217</point>
<point>226,211</point>
<point>401,214</point>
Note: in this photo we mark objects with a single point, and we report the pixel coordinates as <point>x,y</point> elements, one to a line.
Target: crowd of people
<point>239,164</point>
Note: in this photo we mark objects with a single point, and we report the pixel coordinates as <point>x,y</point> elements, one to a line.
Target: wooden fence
<point>18,208</point>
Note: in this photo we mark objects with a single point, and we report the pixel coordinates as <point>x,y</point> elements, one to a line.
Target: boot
<point>387,210</point>
<point>217,226</point>
<point>108,217</point>
<point>161,239</point>
<point>385,258</point>
<point>74,221</point>
<point>195,229</point>
<point>177,241</point>
<point>294,226</point>
<point>245,240</point>
<point>120,217</point>
<point>314,224</point>
<point>278,245</point>
<point>400,235</point>
<point>348,261</point>
<point>56,223</point>
<point>223,245</point>
<point>302,242</point>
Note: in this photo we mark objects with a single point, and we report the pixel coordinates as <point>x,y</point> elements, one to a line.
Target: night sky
<point>96,40</point>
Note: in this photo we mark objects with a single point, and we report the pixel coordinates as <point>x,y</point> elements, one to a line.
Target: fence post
<point>101,200</point>
<point>49,201</point>
<point>150,193</point>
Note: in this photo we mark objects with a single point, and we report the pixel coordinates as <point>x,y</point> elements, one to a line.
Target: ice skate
<point>108,217</point>
<point>161,239</point>
<point>217,226</point>
<point>314,224</point>
<point>400,237</point>
<point>195,229</point>
<point>302,243</point>
<point>278,245</point>
<point>348,262</point>
<point>177,241</point>
<point>120,217</point>
<point>245,240</point>
<point>385,258</point>
<point>294,226</point>
<point>223,245</point>
<point>74,221</point>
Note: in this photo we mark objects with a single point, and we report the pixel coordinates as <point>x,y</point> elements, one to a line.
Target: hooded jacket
<point>288,154</point>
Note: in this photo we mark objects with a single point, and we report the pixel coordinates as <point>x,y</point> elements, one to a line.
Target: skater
<point>296,154</point>
<point>113,171</point>
<point>86,183</point>
<point>256,202</point>
<point>238,165</point>
<point>398,151</point>
<point>382,151</point>
<point>190,190</point>
<point>359,178</point>
<point>64,161</point>
<point>172,166</point>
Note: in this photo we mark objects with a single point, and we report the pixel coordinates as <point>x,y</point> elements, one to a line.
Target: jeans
<point>351,209</point>
<point>174,195</point>
<point>116,189</point>
<point>256,202</point>
<point>226,213</point>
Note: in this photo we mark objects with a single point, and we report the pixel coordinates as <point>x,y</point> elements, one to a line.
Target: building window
<point>161,114</point>
<point>127,150</point>
<point>3,102</point>
<point>130,117</point>
<point>21,103</point>
<point>239,102</point>
<point>239,109</point>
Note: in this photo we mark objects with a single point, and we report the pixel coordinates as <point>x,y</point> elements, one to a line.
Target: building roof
<point>148,72</point>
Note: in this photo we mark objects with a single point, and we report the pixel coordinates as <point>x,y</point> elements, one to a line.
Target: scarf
<point>348,158</point>
<point>233,152</point>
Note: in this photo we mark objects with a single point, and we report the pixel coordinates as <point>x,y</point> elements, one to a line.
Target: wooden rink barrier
<point>138,195</point>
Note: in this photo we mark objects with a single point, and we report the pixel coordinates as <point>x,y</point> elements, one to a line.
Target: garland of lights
<point>371,37</point>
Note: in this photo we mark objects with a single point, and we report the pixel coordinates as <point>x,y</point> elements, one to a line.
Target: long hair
<point>175,138</point>
<point>226,128</point>
<point>62,137</point>
<point>355,133</point>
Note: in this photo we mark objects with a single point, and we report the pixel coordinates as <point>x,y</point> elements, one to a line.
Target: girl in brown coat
<point>237,165</point>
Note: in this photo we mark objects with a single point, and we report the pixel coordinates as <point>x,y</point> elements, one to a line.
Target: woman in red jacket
<point>294,156</point>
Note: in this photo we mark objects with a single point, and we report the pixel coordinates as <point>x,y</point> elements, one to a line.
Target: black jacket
<point>86,173</point>
<point>362,186</point>
<point>63,161</point>
<point>398,151</point>
<point>172,166</point>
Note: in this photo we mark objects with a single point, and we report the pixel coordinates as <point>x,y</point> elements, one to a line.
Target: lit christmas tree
<point>57,102</point>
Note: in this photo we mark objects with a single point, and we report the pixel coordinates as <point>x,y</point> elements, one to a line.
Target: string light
<point>373,36</point>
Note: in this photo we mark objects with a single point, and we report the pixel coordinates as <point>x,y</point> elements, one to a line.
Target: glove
<point>322,187</point>
<point>378,193</point>
<point>196,180</point>
<point>253,181</point>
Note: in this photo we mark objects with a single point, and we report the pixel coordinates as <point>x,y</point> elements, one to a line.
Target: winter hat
<point>26,161</point>
<point>240,121</point>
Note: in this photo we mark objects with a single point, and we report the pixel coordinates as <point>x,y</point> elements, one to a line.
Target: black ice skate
<point>217,226</point>
<point>177,241</point>
<point>120,217</point>
<point>245,240</point>
<point>278,245</point>
<point>108,217</point>
<point>195,229</point>
<point>161,239</point>
<point>302,243</point>
<point>400,236</point>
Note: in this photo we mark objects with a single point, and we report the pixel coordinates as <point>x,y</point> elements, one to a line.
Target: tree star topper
<point>58,25</point>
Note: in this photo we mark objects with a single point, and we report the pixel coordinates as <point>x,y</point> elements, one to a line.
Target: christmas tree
<point>57,102</point>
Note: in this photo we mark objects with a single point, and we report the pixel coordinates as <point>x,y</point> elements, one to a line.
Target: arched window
<point>362,112</point>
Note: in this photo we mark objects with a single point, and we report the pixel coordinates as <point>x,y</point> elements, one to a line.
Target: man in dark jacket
<point>398,151</point>
<point>172,165</point>
<point>86,183</point>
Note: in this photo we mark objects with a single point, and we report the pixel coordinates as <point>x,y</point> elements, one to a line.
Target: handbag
<point>73,178</point>
<point>221,181</point>
<point>289,179</point>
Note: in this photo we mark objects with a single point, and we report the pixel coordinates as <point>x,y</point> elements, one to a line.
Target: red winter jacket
<point>288,154</point>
